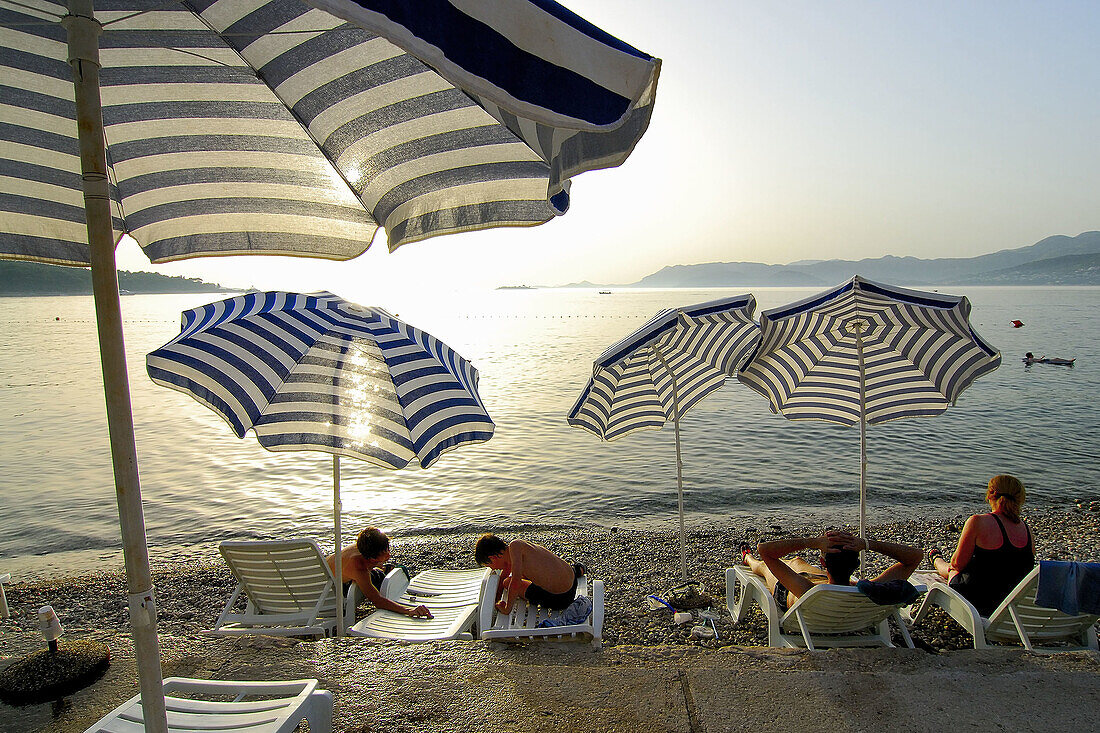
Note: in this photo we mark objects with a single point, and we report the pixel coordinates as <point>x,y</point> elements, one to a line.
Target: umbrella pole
<point>858,326</point>
<point>680,495</point>
<point>339,561</point>
<point>679,465</point>
<point>83,31</point>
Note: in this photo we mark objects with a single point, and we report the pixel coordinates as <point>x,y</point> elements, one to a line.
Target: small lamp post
<point>50,626</point>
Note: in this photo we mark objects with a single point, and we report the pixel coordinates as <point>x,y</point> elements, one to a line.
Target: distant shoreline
<point>135,292</point>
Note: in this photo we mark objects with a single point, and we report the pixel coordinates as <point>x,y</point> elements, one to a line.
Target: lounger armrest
<point>395,583</point>
<point>597,612</point>
<point>486,606</point>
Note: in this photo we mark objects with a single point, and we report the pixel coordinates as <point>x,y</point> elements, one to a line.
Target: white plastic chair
<point>1017,620</point>
<point>824,616</point>
<point>451,595</point>
<point>275,707</point>
<point>522,623</point>
<point>289,588</point>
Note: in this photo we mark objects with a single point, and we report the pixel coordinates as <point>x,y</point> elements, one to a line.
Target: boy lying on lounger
<point>788,580</point>
<point>365,563</point>
<point>528,571</point>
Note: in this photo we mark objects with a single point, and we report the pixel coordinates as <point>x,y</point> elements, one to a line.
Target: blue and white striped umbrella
<point>662,370</point>
<point>315,372</point>
<point>865,352</point>
<point>292,126</point>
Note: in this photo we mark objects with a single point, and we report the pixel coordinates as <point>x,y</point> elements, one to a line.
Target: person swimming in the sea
<point>1030,358</point>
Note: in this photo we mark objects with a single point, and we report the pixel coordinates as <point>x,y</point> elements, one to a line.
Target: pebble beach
<point>632,564</point>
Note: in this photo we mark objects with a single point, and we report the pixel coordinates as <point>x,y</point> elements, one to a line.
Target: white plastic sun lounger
<point>522,623</point>
<point>825,616</point>
<point>4,612</point>
<point>276,707</point>
<point>1017,620</point>
<point>289,588</point>
<point>451,595</point>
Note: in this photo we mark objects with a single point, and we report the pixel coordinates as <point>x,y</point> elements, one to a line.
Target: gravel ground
<point>632,563</point>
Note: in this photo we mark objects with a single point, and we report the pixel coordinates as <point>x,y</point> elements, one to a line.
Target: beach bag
<point>689,595</point>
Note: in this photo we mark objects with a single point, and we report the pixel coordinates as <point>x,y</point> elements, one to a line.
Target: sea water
<point>534,351</point>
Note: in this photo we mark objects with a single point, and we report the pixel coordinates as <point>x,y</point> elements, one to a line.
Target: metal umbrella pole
<point>337,509</point>
<point>83,31</point>
<point>857,326</point>
<point>679,463</point>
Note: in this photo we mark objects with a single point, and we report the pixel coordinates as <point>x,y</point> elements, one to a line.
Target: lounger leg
<point>319,712</point>
<point>1024,639</point>
<point>802,628</point>
<point>904,631</point>
<point>4,612</point>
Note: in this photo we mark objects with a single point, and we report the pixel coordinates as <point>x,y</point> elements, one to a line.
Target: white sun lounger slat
<point>282,707</point>
<point>825,616</point>
<point>452,597</point>
<point>522,623</point>
<point>1017,620</point>
<point>4,611</point>
<point>289,588</point>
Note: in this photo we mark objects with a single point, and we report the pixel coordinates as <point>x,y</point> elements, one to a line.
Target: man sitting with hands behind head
<point>365,563</point>
<point>789,579</point>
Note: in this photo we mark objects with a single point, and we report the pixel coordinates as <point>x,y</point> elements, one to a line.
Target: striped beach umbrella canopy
<point>292,127</point>
<point>315,372</point>
<point>865,353</point>
<point>662,370</point>
<point>215,127</point>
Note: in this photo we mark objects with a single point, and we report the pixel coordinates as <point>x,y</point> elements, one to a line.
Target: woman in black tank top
<point>985,575</point>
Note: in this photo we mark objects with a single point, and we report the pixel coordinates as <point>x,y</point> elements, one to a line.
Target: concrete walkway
<point>479,686</point>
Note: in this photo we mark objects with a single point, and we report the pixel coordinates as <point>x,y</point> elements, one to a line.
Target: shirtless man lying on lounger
<point>365,564</point>
<point>789,579</point>
<point>528,571</point>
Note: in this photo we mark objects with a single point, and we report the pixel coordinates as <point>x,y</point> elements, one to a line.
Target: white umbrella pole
<point>83,31</point>
<point>679,465</point>
<point>339,563</point>
<point>858,325</point>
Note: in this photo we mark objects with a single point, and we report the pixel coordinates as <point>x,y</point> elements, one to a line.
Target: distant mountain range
<point>34,278</point>
<point>1057,260</point>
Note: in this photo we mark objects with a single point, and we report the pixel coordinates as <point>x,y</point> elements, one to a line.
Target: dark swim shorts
<point>780,596</point>
<point>554,601</point>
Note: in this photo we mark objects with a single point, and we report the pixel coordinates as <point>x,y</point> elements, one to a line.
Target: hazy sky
<point>794,130</point>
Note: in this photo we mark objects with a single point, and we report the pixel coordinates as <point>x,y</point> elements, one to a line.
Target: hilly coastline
<point>1057,260</point>
<point>34,278</point>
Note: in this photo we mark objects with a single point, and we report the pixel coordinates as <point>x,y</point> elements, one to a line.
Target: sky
<point>787,130</point>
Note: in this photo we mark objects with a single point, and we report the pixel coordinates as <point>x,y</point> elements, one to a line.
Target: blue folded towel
<point>1071,587</point>
<point>576,613</point>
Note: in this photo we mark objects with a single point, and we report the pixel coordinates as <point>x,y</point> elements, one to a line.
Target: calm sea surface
<point>534,349</point>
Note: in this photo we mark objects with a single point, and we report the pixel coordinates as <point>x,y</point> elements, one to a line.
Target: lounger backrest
<point>1039,622</point>
<point>282,576</point>
<point>835,609</point>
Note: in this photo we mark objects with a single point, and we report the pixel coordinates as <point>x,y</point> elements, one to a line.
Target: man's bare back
<point>527,571</point>
<point>540,566</point>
